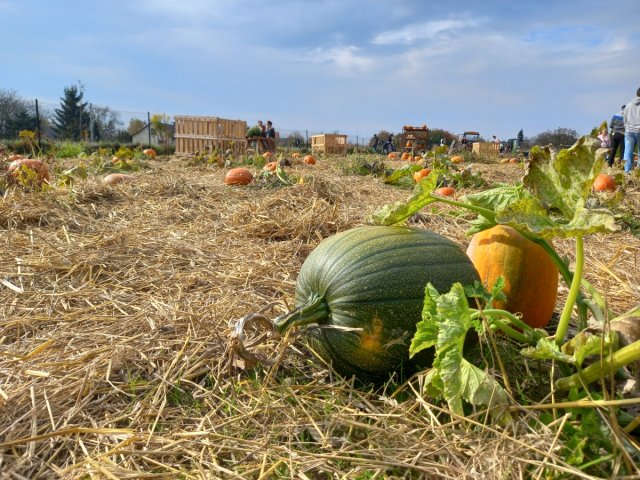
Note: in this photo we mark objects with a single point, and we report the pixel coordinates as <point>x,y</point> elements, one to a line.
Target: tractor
<point>464,142</point>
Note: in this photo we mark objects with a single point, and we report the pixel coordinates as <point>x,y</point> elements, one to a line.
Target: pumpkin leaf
<point>401,211</point>
<point>530,215</point>
<point>563,180</point>
<point>404,171</point>
<point>426,335</point>
<point>446,320</point>
<point>587,343</point>
<point>497,198</point>
<point>547,349</point>
<point>560,183</point>
<point>480,388</point>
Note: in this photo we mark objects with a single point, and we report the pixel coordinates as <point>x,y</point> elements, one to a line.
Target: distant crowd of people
<point>623,133</point>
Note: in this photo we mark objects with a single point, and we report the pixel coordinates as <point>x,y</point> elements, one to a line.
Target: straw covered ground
<point>115,313</point>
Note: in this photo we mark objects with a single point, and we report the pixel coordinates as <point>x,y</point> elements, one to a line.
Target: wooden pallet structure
<point>202,134</point>
<point>329,143</point>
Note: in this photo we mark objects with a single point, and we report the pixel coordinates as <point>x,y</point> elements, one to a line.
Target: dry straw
<point>115,305</point>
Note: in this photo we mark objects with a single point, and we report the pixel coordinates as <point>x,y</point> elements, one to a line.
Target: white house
<point>141,137</point>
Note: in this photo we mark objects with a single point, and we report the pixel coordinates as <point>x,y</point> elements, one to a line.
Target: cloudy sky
<point>334,65</point>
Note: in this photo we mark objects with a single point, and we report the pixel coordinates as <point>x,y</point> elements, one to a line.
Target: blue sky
<point>334,65</point>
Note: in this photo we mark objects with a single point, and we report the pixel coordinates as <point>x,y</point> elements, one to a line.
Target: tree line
<point>74,119</point>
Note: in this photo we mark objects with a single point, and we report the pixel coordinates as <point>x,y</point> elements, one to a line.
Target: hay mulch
<point>115,313</point>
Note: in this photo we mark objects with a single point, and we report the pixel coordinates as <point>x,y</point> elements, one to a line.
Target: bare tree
<point>15,114</point>
<point>560,137</point>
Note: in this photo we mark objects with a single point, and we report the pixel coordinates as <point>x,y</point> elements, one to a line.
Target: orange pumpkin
<point>116,178</point>
<point>513,160</point>
<point>505,160</point>
<point>445,191</point>
<point>409,143</point>
<point>238,176</point>
<point>309,160</point>
<point>457,159</point>
<point>419,175</point>
<point>530,276</point>
<point>296,155</point>
<point>149,152</point>
<point>405,156</point>
<point>267,155</point>
<point>604,183</point>
<point>34,164</point>
<point>271,166</point>
<point>417,158</point>
<point>392,155</point>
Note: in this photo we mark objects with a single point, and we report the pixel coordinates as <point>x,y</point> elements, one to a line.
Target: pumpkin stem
<point>606,366</point>
<point>574,290</point>
<point>314,310</point>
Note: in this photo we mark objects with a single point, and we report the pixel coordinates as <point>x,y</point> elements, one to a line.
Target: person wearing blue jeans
<point>631,131</point>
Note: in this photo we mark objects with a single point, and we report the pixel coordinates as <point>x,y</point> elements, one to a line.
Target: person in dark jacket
<point>270,133</point>
<point>617,135</point>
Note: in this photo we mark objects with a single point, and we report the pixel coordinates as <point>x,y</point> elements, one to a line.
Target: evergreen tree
<point>22,120</point>
<point>520,137</point>
<point>71,120</point>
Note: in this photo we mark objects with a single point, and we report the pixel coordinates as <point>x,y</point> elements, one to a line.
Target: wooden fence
<point>201,134</point>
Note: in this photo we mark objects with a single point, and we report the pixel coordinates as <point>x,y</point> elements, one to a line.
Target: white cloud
<point>424,31</point>
<point>346,60</point>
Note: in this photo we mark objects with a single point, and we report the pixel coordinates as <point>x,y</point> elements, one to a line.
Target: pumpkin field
<point>135,313</point>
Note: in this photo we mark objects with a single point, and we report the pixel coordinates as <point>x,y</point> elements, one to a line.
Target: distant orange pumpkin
<point>309,160</point>
<point>271,166</point>
<point>457,159</point>
<point>445,191</point>
<point>238,176</point>
<point>604,183</point>
<point>419,175</point>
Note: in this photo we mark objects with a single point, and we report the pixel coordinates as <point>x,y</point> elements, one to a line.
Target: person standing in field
<point>270,133</point>
<point>617,135</point>
<point>631,131</point>
<point>605,139</point>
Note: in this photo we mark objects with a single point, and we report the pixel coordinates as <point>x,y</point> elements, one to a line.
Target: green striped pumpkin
<point>360,294</point>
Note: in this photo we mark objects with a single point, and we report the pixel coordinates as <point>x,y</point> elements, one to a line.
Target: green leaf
<point>530,215</point>
<point>563,180</point>
<point>426,334</point>
<point>480,388</point>
<point>400,211</point>
<point>547,349</point>
<point>497,198</point>
<point>446,320</point>
<point>588,343</point>
<point>404,171</point>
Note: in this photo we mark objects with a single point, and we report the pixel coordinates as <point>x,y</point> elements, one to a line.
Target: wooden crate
<point>329,143</point>
<point>201,134</point>
<point>485,148</point>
